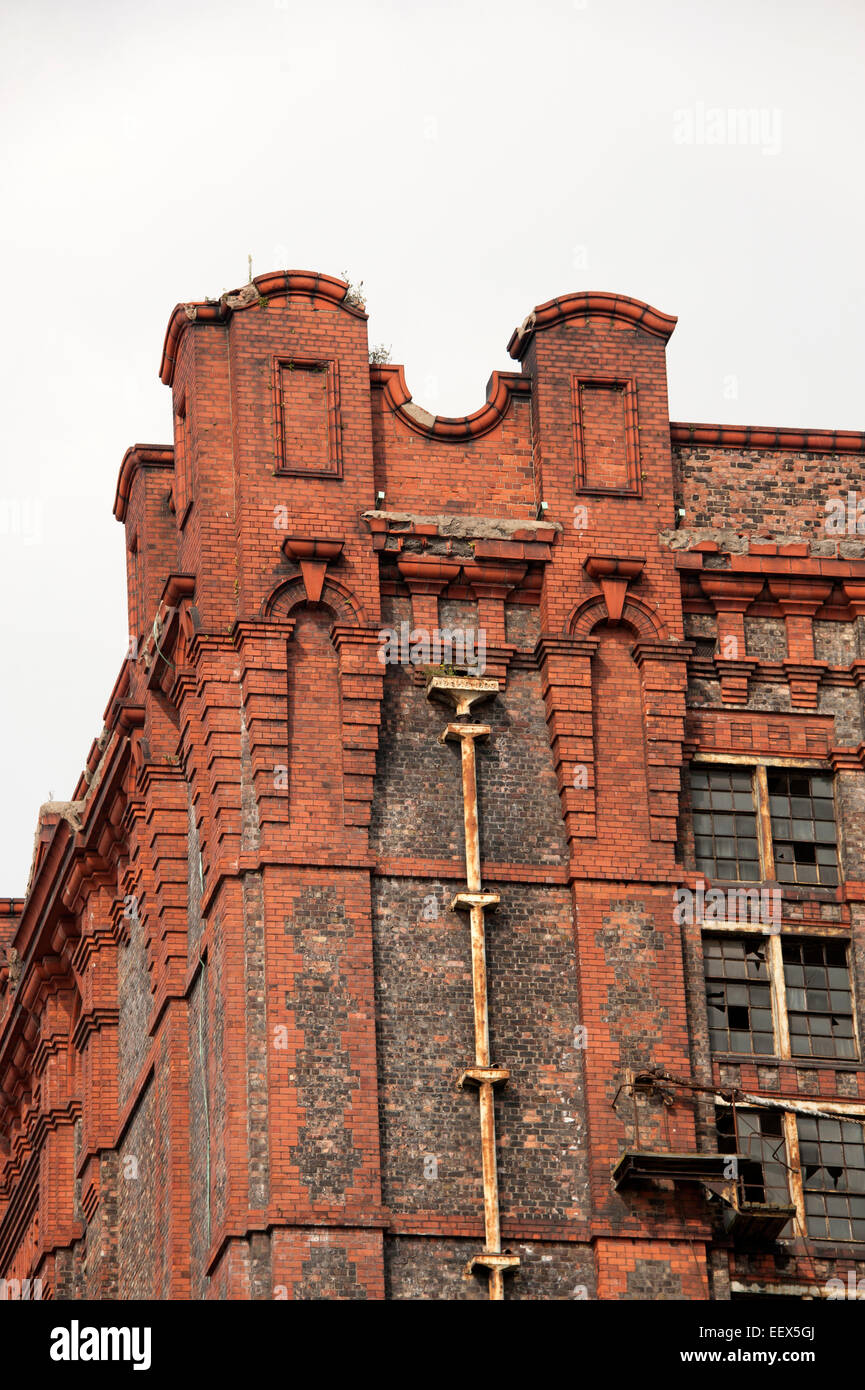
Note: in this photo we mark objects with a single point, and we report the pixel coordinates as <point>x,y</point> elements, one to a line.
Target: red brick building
<point>464,895</point>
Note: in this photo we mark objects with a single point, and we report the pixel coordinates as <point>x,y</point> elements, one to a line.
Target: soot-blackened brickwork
<point>430,1268</point>
<point>418,807</point>
<point>319,931</point>
<point>134,1007</point>
<point>237,999</point>
<point>137,1210</point>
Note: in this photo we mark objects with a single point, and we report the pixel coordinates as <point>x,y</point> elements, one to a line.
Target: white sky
<point>466,161</point>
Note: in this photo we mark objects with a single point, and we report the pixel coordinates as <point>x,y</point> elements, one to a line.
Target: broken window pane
<point>833,1175</point>
<point>738,996</point>
<point>802,809</point>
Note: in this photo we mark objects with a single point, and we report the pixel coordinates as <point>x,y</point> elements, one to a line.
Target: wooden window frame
<point>758,830</point>
<point>751,1056</point>
<point>801,1190</point>
<point>758,1110</point>
<point>760,791</point>
<point>790,1131</point>
<point>778,991</point>
<point>764,813</point>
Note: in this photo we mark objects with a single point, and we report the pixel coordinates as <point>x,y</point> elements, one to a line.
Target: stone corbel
<point>461,692</point>
<point>313,554</point>
<point>614,574</point>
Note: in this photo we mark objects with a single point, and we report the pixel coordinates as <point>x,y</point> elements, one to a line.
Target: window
<point>802,810</point>
<point>763,1165</point>
<point>738,996</point>
<point>725,823</point>
<point>827,1188</point>
<point>804,982</point>
<point>832,1155</point>
<point>753,824</point>
<point>819,999</point>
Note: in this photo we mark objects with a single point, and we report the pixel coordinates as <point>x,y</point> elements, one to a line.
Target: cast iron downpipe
<point>483,1074</point>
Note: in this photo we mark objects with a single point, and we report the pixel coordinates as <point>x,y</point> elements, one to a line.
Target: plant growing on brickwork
<point>354,294</point>
<point>441,670</point>
<point>378,355</point>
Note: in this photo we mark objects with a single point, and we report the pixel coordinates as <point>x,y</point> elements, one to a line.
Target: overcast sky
<point>465,161</point>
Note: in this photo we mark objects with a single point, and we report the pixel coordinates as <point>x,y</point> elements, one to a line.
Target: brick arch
<point>637,615</point>
<point>291,594</point>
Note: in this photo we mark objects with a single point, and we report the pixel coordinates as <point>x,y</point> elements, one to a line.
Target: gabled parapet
<point>278,284</point>
<point>588,304</point>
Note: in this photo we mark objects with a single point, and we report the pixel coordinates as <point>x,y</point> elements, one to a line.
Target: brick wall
<point>752,490</point>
